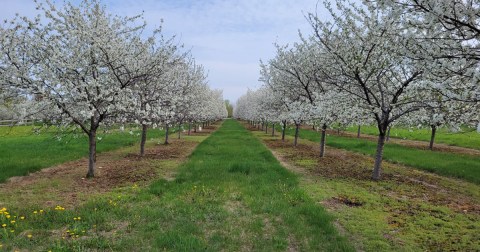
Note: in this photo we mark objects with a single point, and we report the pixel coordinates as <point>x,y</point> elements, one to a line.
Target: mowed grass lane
<point>22,151</point>
<point>454,165</point>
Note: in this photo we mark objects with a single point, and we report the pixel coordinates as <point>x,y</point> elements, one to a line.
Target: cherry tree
<point>296,71</point>
<point>439,113</point>
<point>291,84</point>
<point>367,54</point>
<point>191,83</point>
<point>79,58</point>
<point>156,59</point>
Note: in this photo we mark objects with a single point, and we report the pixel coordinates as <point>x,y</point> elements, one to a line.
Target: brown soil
<point>66,185</point>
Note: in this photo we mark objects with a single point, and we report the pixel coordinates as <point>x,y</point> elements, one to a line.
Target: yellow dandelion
<point>12,231</point>
<point>41,211</point>
<point>75,218</point>
<point>22,217</point>
<point>29,236</point>
<point>78,218</point>
<point>13,222</point>
<point>35,212</point>
<point>8,216</point>
<point>4,225</point>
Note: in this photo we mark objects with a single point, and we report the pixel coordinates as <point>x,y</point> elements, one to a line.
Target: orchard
<point>363,134</point>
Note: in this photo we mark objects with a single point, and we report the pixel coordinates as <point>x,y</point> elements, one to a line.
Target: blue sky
<point>228,37</point>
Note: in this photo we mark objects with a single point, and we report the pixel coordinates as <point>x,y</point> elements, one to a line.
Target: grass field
<point>467,138</point>
<point>453,165</point>
<point>231,195</point>
<point>22,151</point>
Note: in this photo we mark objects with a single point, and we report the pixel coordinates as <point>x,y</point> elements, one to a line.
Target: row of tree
<point>81,66</point>
<point>383,62</point>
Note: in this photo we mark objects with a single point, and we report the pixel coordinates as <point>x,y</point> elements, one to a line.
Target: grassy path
<point>231,195</point>
<point>453,165</point>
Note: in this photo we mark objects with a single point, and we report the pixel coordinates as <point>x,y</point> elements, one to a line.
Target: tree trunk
<point>266,128</point>
<point>195,128</point>
<point>322,140</point>
<point>358,132</point>
<point>166,134</point>
<point>92,154</point>
<point>273,129</point>
<point>189,128</point>
<point>143,140</point>
<point>378,157</point>
<point>297,126</point>
<point>388,134</point>
<point>283,129</point>
<point>179,129</point>
<point>432,138</point>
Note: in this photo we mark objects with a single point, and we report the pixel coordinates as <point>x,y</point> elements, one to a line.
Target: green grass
<point>23,152</point>
<point>454,165</point>
<point>231,195</point>
<point>467,138</point>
